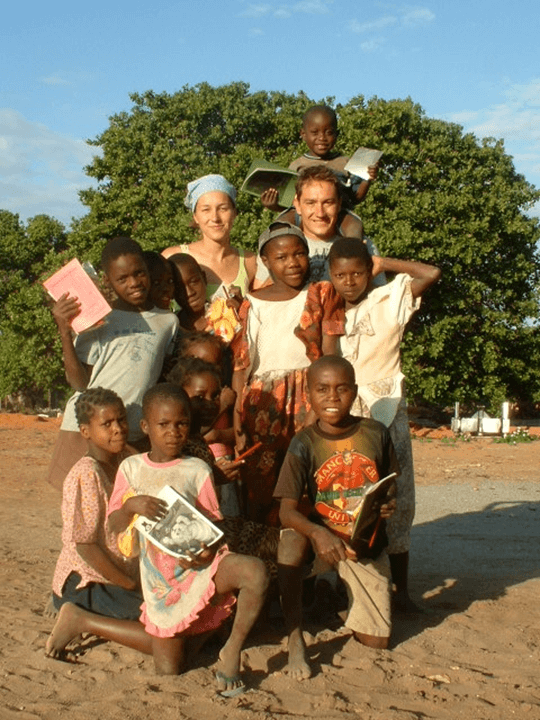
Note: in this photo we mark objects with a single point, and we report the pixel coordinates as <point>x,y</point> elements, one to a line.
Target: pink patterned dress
<point>85,499</point>
<point>175,600</point>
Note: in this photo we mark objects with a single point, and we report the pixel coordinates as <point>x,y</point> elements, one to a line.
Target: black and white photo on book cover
<point>183,530</point>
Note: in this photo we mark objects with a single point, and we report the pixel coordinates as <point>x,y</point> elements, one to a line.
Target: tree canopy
<point>442,196</point>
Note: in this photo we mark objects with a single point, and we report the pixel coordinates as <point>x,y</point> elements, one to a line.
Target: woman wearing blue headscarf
<point>211,199</point>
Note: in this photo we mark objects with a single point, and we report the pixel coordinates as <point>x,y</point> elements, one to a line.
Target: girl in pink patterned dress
<point>91,572</point>
<point>183,597</point>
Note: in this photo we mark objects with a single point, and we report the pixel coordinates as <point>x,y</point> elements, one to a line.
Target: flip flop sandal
<point>233,692</point>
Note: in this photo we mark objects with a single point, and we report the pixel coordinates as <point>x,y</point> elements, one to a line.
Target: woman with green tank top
<point>211,200</point>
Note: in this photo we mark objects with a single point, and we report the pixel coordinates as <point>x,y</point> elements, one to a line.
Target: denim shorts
<point>101,598</point>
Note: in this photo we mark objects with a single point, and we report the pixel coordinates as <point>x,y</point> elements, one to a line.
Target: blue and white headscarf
<point>207,183</point>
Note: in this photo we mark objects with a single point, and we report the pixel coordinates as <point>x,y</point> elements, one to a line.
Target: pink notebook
<point>74,280</point>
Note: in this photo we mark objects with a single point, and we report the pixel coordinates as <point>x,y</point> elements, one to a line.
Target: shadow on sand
<point>460,558</point>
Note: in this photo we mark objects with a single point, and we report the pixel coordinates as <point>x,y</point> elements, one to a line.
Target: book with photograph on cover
<point>183,530</point>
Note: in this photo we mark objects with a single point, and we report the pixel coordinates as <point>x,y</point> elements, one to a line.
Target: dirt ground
<point>475,656</point>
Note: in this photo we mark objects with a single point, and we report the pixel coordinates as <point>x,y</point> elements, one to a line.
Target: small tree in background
<point>30,351</point>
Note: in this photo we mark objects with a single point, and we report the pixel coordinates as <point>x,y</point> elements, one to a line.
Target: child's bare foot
<point>66,629</point>
<point>298,667</point>
<point>228,676</point>
<point>49,610</point>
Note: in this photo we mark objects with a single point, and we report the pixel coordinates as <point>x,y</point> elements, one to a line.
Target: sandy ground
<point>475,562</point>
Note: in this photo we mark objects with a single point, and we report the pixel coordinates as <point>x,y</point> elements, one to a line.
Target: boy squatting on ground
<point>330,460</point>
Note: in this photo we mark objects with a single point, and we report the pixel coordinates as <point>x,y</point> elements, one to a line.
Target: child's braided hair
<point>89,400</point>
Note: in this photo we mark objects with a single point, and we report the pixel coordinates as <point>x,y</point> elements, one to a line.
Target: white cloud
<point>255,31</point>
<point>40,171</point>
<point>412,17</point>
<point>54,80</point>
<point>315,7</point>
<point>67,77</point>
<point>465,117</point>
<point>256,11</point>
<point>516,120</point>
<point>381,22</point>
<point>405,17</point>
<point>372,45</point>
<point>284,11</point>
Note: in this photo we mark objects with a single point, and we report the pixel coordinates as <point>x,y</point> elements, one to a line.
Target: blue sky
<point>67,67</point>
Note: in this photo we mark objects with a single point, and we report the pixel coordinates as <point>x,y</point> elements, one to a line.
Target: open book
<point>183,530</point>
<point>263,175</point>
<point>73,279</point>
<point>359,162</point>
<point>366,517</point>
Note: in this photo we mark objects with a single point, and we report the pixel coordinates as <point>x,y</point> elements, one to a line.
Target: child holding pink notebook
<point>124,354</point>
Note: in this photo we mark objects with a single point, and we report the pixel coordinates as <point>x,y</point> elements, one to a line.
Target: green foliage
<point>30,352</point>
<point>519,436</point>
<point>441,196</point>
<point>150,154</point>
<point>444,198</point>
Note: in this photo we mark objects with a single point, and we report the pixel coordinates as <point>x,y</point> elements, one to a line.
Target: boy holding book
<point>125,354</point>
<point>333,461</point>
<point>320,133</point>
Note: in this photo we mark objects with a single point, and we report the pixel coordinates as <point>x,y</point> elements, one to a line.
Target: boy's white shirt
<point>373,332</point>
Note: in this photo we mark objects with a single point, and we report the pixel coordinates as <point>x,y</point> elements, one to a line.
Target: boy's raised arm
<point>423,275</point>
<point>363,188</point>
<point>77,373</point>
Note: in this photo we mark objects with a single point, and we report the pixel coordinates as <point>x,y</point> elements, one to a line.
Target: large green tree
<point>442,196</point>
<point>150,154</point>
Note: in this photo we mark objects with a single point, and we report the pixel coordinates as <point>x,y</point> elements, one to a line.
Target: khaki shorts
<point>369,590</point>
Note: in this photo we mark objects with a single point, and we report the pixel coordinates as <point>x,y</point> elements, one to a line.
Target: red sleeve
<point>324,312</point>
<point>333,319</point>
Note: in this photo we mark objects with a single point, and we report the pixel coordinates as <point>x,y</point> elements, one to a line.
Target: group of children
<point>152,407</point>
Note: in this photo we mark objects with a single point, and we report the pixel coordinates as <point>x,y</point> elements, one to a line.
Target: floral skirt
<point>274,409</point>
